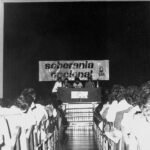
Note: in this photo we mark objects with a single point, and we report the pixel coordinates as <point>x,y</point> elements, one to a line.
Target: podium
<point>71,95</point>
<point>79,104</point>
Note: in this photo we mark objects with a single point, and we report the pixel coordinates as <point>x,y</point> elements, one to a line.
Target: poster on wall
<point>50,70</point>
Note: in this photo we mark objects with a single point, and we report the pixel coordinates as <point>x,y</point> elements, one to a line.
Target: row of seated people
<point>25,113</point>
<point>77,83</point>
<point>126,115</point>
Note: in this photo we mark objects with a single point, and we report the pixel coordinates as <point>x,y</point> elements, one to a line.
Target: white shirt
<point>79,85</point>
<point>116,107</point>
<point>56,86</point>
<point>104,107</point>
<point>127,120</point>
<point>141,130</point>
<point>123,105</point>
<point>14,119</point>
<point>110,117</point>
<point>37,112</point>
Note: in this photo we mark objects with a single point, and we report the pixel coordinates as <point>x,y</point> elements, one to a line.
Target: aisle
<point>78,138</point>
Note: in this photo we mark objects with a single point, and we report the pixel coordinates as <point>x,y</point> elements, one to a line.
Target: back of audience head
<point>29,95</point>
<point>144,93</point>
<point>105,95</point>
<point>121,93</point>
<point>6,103</point>
<point>21,104</point>
<point>118,92</point>
<point>131,92</point>
<point>112,95</point>
<point>144,90</point>
<point>59,79</point>
<point>145,104</point>
<point>49,109</point>
<point>25,99</point>
<point>143,98</point>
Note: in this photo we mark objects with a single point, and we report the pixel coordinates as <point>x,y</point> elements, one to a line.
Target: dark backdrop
<point>118,31</point>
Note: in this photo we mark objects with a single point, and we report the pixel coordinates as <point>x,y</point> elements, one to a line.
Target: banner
<point>50,70</point>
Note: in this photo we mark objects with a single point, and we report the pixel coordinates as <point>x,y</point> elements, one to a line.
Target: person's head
<point>77,80</point>
<point>144,91</point>
<point>121,93</point>
<point>66,80</point>
<point>49,109</point>
<point>145,104</point>
<point>29,95</point>
<point>145,87</point>
<point>59,79</point>
<point>90,78</point>
<point>118,93</point>
<point>59,102</point>
<point>25,99</point>
<point>113,93</point>
<point>131,92</point>
<point>22,104</point>
<point>106,92</point>
<point>4,102</point>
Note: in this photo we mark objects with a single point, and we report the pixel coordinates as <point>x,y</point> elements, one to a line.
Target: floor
<point>78,138</point>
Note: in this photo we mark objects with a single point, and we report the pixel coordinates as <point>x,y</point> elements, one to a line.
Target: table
<point>79,94</point>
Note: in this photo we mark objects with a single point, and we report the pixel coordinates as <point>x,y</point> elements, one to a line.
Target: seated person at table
<point>77,83</point>
<point>57,84</point>
<point>89,83</point>
<point>66,83</point>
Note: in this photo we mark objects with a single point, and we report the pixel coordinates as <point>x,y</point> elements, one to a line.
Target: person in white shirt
<point>140,124</point>
<point>57,84</point>
<point>77,83</point>
<point>18,116</point>
<point>111,113</point>
<point>66,83</point>
<point>119,103</point>
<point>136,123</point>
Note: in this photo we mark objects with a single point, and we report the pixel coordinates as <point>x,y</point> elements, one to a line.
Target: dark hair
<point>121,94</point>
<point>118,93</point>
<point>131,92</point>
<point>4,102</point>
<point>143,94</point>
<point>28,95</point>
<point>21,103</point>
<point>59,78</point>
<point>145,88</point>
<point>77,79</point>
<point>105,95</point>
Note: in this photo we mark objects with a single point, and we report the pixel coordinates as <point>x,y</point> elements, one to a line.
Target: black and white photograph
<point>74,75</point>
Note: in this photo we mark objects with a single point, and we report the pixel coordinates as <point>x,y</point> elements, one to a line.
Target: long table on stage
<point>79,95</point>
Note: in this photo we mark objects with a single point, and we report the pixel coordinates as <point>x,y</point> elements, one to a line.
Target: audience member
<point>89,83</point>
<point>140,127</point>
<point>77,83</point>
<point>126,110</point>
<point>57,84</point>
<point>66,83</point>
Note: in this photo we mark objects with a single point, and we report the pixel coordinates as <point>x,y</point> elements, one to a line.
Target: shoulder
<point>39,106</point>
<point>139,118</point>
